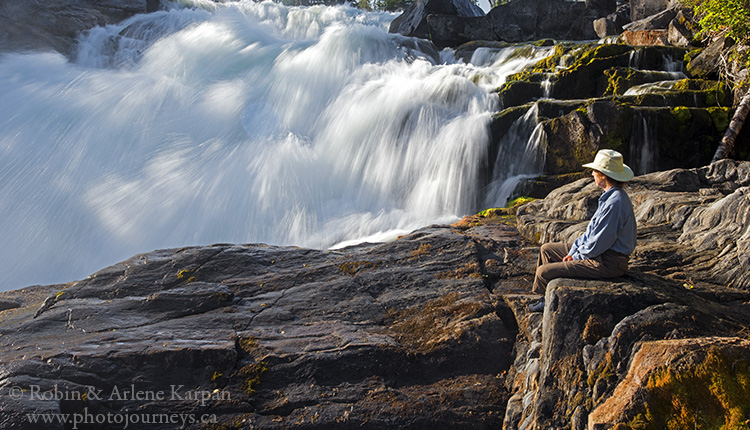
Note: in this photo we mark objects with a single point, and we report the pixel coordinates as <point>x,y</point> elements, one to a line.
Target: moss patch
<point>186,276</point>
<point>351,268</point>
<point>604,370</point>
<point>713,394</point>
<point>596,327</point>
<point>247,344</point>
<point>468,270</point>
<point>506,215</point>
<point>252,374</point>
<point>424,249</point>
<point>720,118</point>
<point>423,328</point>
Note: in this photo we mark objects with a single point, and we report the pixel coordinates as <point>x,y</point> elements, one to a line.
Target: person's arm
<point>600,234</point>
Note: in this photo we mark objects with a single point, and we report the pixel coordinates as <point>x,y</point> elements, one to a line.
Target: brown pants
<point>550,266</point>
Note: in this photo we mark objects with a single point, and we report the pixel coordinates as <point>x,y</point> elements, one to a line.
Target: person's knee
<point>542,272</point>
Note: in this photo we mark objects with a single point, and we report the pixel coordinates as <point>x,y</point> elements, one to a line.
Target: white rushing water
<point>234,122</point>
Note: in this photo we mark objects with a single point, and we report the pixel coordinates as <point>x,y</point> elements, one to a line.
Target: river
<point>236,122</point>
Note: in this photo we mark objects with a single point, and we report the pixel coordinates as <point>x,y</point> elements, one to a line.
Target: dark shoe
<point>537,306</point>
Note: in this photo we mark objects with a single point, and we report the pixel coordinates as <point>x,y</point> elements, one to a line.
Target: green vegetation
<point>720,117</point>
<point>247,344</point>
<point>683,116</point>
<point>728,17</point>
<point>186,275</point>
<point>604,370</point>
<point>519,201</point>
<point>619,80</point>
<point>731,17</point>
<point>252,373</point>
<point>712,394</point>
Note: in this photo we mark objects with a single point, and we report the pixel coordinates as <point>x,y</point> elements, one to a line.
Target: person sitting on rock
<point>603,250</point>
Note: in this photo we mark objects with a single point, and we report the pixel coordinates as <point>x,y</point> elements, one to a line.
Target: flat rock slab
<point>397,334</point>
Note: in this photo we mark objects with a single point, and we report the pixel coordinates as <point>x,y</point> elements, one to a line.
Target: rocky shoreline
<point>430,330</point>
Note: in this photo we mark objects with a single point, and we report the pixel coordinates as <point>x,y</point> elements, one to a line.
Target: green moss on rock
<point>619,80</point>
<point>425,328</point>
<point>713,394</point>
<point>720,117</point>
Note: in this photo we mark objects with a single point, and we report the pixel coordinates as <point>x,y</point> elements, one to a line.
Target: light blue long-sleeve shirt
<point>611,227</point>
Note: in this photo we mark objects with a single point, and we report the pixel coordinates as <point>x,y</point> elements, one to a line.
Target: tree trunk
<point>726,147</point>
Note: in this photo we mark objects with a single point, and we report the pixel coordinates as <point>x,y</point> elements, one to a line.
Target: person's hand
<point>567,258</point>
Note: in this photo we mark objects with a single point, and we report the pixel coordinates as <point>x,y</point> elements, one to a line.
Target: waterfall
<point>235,122</point>
<point>643,155</point>
<point>667,63</point>
<point>521,155</point>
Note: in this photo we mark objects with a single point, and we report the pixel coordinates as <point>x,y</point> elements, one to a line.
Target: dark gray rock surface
<point>43,25</point>
<point>390,335</point>
<point>640,9</point>
<point>413,22</point>
<point>540,19</point>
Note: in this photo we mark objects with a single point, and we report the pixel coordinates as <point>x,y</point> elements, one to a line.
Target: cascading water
<point>232,122</point>
<point>527,140</point>
<point>643,156</point>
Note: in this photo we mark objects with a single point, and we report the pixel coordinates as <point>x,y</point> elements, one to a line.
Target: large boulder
<point>613,23</point>
<point>413,22</point>
<point>682,30</point>
<point>396,335</point>
<point>670,27</point>
<point>539,19</point>
<point>449,24</point>
<point>706,64</point>
<point>453,30</point>
<point>684,390</point>
<point>603,342</point>
<point>657,21</point>
<point>640,9</point>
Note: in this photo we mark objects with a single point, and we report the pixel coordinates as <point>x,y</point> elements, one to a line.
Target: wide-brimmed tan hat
<point>610,163</point>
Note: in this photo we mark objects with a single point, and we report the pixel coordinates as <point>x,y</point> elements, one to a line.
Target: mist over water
<point>235,122</point>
